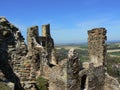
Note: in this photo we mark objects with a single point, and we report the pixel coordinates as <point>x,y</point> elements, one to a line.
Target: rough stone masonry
<point>21,64</point>
<point>97,46</point>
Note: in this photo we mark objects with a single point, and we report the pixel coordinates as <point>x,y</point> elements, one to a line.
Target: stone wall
<point>96,46</point>
<point>65,75</point>
<point>48,43</point>
<point>21,64</point>
<point>46,30</point>
<point>32,35</point>
<point>8,50</point>
<point>93,74</point>
<point>111,83</point>
<point>16,65</point>
<point>92,78</point>
<point>73,68</point>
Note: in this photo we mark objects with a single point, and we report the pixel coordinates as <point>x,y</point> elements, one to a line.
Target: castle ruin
<point>21,64</point>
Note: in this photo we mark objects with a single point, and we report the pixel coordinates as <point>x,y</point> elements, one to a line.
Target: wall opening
<point>43,43</point>
<point>83,82</point>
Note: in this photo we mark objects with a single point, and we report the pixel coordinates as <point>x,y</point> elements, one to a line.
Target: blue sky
<point>70,19</point>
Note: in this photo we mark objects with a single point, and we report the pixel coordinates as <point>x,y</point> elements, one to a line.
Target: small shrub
<point>42,83</point>
<point>111,69</point>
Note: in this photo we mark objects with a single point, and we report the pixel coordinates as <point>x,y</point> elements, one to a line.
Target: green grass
<point>63,53</point>
<point>84,46</point>
<point>115,53</point>
<point>111,61</point>
<point>113,46</point>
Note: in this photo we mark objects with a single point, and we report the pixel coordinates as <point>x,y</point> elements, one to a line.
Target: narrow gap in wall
<point>83,82</point>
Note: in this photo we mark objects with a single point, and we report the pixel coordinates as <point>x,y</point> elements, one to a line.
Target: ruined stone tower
<point>46,38</point>
<point>44,42</point>
<point>48,43</point>
<point>96,46</point>
<point>21,64</point>
<point>46,30</point>
<point>32,33</point>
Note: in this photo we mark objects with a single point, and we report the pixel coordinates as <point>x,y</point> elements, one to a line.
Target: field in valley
<point>82,49</point>
<point>113,49</point>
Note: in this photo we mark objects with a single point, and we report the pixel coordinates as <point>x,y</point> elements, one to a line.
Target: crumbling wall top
<point>46,30</point>
<point>97,46</point>
<point>32,33</point>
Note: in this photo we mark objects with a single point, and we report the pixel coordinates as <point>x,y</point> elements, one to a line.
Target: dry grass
<point>115,50</point>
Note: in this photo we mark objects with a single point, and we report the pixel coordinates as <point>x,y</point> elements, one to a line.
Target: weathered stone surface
<point>32,34</point>
<point>73,68</point>
<point>6,86</point>
<point>21,64</point>
<point>64,76</point>
<point>7,38</point>
<point>96,46</point>
<point>111,83</point>
<point>48,43</point>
